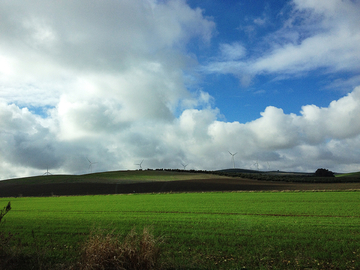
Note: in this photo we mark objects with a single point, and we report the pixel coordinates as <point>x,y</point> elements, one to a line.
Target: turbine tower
<point>90,166</point>
<point>232,158</point>
<point>140,164</point>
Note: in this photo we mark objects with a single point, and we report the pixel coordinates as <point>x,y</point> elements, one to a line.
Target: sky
<point>170,83</point>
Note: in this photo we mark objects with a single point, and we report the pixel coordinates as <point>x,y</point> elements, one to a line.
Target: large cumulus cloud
<point>313,138</point>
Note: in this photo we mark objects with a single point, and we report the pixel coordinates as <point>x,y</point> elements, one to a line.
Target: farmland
<point>124,182</point>
<point>211,230</point>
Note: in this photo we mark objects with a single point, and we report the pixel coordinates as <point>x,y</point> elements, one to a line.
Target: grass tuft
<point>108,251</point>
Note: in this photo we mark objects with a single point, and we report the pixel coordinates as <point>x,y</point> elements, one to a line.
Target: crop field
<point>214,230</point>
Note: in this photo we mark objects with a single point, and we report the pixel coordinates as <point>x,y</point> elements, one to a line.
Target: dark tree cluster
<point>324,173</point>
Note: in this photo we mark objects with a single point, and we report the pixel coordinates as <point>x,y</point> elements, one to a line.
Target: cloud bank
<point>112,82</point>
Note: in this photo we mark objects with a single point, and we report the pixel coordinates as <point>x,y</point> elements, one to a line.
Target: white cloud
<point>338,121</point>
<point>318,137</point>
<point>274,129</point>
<point>233,51</point>
<point>62,41</point>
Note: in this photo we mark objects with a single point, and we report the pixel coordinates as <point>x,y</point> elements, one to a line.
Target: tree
<point>324,173</point>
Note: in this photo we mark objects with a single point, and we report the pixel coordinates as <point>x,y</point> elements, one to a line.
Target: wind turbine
<point>184,165</point>
<point>256,165</point>
<point>232,158</point>
<point>47,171</point>
<point>140,164</point>
<point>90,166</point>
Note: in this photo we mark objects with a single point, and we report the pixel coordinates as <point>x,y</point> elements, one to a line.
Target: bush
<point>107,251</point>
<point>324,173</point>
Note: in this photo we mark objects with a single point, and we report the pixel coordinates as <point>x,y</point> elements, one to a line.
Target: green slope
<point>354,174</point>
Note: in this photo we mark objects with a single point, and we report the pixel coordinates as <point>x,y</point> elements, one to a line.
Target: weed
<point>4,238</point>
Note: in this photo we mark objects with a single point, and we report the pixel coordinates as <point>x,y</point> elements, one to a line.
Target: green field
<point>256,230</point>
<point>354,174</point>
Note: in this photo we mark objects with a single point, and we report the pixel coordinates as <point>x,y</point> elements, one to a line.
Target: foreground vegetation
<point>253,230</point>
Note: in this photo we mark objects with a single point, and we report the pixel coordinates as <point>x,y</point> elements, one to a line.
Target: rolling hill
<point>155,181</point>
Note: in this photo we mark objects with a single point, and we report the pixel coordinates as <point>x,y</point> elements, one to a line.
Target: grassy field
<point>219,230</point>
<point>354,174</point>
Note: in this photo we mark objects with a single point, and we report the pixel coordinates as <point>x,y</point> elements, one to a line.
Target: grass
<point>256,230</point>
<point>354,174</point>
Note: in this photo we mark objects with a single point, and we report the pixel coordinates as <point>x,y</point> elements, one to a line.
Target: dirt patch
<point>198,185</point>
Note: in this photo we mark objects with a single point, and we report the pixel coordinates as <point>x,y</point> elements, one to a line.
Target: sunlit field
<point>268,230</point>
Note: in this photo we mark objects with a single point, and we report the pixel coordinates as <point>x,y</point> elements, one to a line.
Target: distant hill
<point>159,181</point>
<point>237,170</point>
<point>112,177</point>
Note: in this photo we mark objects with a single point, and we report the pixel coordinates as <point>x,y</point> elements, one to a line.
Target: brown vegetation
<point>109,251</point>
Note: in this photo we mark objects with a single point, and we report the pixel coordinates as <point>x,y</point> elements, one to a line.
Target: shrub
<point>107,251</point>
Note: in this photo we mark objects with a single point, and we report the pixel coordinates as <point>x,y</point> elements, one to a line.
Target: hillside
<point>156,181</point>
<point>112,177</point>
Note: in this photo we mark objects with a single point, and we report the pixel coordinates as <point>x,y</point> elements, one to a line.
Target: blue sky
<point>179,82</point>
<point>254,25</point>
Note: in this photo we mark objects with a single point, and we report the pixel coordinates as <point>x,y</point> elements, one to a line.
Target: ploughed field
<point>124,182</point>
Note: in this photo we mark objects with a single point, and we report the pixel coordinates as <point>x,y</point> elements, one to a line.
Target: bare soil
<point>198,185</point>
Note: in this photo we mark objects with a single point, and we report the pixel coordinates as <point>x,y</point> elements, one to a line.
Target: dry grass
<point>108,251</point>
